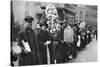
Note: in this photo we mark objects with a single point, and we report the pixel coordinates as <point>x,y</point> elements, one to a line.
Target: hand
<point>55,42</point>
<point>47,42</point>
<point>62,41</point>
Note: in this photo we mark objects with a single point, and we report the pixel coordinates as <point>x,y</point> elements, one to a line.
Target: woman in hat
<point>44,39</point>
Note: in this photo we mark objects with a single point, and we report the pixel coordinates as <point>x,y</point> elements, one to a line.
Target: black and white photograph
<point>46,33</point>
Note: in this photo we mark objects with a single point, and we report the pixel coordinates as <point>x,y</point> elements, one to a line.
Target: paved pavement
<point>89,54</point>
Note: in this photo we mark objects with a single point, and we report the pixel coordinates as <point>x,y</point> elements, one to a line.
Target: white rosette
<point>15,48</point>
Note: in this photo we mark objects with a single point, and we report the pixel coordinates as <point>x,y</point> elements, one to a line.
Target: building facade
<point>91,15</point>
<point>70,12</point>
<point>80,13</point>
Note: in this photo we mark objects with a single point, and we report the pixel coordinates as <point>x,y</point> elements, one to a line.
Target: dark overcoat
<point>44,36</point>
<point>32,58</point>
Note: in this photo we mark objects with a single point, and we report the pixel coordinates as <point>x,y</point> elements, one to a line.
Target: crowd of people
<point>62,45</point>
<point>45,45</point>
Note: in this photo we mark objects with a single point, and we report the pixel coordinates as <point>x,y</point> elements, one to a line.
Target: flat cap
<point>29,19</point>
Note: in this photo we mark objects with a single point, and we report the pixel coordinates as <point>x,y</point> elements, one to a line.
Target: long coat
<point>58,48</point>
<point>43,36</point>
<point>32,58</point>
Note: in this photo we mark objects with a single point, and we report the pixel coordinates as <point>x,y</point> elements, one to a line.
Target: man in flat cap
<point>30,54</point>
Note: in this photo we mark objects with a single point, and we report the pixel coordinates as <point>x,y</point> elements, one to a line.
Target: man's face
<point>43,27</point>
<point>29,25</point>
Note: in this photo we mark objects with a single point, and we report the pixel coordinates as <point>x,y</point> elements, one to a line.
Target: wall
<point>25,8</point>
